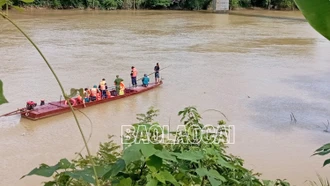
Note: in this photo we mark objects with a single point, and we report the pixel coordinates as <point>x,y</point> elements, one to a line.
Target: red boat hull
<point>58,107</point>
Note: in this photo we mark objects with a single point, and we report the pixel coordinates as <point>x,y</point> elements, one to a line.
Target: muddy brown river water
<point>256,70</point>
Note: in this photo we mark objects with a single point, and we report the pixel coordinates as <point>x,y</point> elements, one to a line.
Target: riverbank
<point>277,14</point>
<point>250,12</point>
<point>282,5</point>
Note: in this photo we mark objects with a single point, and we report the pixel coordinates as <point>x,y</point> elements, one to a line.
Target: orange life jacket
<point>98,96</point>
<point>79,99</point>
<point>72,101</point>
<point>122,86</point>
<point>134,72</point>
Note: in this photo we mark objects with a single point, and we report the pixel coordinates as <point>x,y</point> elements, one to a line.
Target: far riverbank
<point>253,12</point>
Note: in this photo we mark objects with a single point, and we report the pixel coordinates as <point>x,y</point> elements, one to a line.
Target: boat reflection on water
<point>10,121</point>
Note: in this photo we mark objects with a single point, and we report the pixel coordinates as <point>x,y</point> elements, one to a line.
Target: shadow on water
<point>315,86</point>
<point>311,110</point>
<point>275,113</point>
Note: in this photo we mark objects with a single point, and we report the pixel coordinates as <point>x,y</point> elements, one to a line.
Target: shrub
<point>196,163</point>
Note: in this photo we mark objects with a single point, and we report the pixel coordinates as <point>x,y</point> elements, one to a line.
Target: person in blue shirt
<point>145,80</point>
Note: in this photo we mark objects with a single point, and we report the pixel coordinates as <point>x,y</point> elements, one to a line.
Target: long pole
<point>140,78</point>
<point>155,72</point>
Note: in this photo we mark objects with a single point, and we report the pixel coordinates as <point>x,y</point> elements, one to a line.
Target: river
<point>256,70</point>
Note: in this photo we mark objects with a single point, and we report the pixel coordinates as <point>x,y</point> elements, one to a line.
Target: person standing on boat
<point>133,76</point>
<point>156,69</point>
<point>103,87</point>
<point>117,82</point>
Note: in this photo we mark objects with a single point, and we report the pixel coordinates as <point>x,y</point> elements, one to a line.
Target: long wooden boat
<point>59,107</point>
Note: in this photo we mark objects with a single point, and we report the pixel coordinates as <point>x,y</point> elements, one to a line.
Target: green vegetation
<point>154,4</point>
<point>198,163</point>
<point>267,4</point>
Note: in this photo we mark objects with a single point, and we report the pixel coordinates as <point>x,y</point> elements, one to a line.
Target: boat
<point>50,109</point>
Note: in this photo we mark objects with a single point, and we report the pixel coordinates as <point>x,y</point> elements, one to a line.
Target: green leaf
<point>322,153</point>
<point>132,153</point>
<point>47,171</point>
<point>225,163</point>
<point>317,14</point>
<point>326,162</point>
<point>201,172</point>
<point>2,97</point>
<point>43,170</point>
<point>125,182</point>
<point>50,183</point>
<point>210,174</point>
<point>190,155</point>
<point>154,163</point>
<point>164,154</point>
<point>158,147</point>
<point>2,2</point>
<point>145,125</point>
<point>324,147</point>
<point>151,181</point>
<point>65,164</point>
<point>28,1</point>
<point>169,177</point>
<point>18,8</point>
<point>234,180</point>
<point>115,169</point>
<point>268,182</point>
<point>160,177</point>
<point>214,182</point>
<point>213,173</point>
<point>196,179</point>
<point>101,170</point>
<point>85,175</point>
<point>148,150</point>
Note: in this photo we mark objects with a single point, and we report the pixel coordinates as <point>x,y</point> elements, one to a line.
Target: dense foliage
<point>268,4</point>
<point>154,4</point>
<point>154,162</point>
